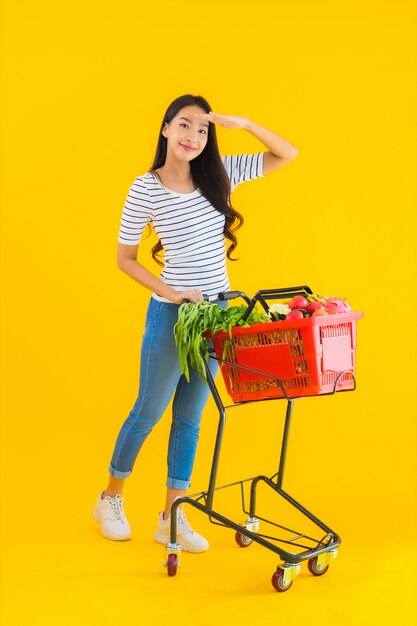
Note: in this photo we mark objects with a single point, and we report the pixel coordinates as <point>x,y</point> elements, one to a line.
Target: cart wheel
<point>313,568</point>
<point>278,582</point>
<point>242,540</point>
<point>172,564</point>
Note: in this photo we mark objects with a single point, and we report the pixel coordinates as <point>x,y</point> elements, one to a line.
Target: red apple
<point>298,302</point>
<point>295,314</point>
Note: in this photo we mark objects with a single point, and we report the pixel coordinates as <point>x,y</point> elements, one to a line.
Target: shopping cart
<point>276,360</point>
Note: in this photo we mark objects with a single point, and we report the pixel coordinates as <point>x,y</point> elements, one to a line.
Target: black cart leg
<point>283,456</point>
<point>280,476</point>
<point>219,437</point>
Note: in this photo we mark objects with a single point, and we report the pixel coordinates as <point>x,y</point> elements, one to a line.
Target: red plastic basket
<point>306,355</point>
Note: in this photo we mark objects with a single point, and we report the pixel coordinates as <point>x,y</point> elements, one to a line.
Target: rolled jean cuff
<point>117,474</point>
<point>174,483</point>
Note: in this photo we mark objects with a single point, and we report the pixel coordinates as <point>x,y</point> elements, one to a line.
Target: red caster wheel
<point>277,581</point>
<point>172,564</point>
<point>315,568</point>
<point>242,540</point>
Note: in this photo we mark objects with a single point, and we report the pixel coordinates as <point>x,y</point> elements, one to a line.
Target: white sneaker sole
<point>162,538</point>
<point>107,535</point>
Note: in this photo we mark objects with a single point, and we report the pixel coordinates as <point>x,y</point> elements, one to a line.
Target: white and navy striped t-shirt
<point>189,227</point>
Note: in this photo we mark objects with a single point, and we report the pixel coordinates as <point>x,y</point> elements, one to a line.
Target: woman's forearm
<point>276,144</point>
<point>144,277</point>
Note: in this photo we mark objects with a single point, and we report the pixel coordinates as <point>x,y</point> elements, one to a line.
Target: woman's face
<point>186,135</point>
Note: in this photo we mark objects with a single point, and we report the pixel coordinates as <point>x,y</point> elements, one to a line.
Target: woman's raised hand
<point>227,121</point>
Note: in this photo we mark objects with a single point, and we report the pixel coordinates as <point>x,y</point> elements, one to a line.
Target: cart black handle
<point>230,295</point>
<point>275,294</point>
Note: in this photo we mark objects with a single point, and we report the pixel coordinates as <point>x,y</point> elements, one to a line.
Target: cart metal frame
<point>321,550</point>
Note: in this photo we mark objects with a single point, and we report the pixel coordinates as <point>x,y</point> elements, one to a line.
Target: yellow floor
<point>65,573</point>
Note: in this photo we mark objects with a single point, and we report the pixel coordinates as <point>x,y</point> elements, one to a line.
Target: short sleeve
<point>243,167</point>
<point>137,212</point>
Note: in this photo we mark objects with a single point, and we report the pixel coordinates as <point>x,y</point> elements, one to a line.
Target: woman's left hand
<point>227,121</point>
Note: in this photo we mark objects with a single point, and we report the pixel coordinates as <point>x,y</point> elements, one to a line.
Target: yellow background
<point>85,85</point>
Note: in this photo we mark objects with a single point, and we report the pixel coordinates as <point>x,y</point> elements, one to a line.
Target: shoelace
<point>183,522</point>
<point>116,506</point>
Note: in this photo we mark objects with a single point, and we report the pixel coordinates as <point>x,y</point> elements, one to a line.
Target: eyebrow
<point>190,121</point>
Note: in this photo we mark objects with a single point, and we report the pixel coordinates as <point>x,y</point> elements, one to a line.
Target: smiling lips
<point>188,148</point>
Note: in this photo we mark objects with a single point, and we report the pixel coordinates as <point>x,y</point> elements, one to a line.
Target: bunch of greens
<point>194,319</point>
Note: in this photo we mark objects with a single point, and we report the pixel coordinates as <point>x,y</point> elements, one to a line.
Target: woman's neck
<point>176,171</point>
<point>174,180</point>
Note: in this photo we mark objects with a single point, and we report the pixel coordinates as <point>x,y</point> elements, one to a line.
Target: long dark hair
<point>207,171</point>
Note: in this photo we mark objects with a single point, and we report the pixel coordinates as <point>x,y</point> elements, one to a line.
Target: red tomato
<point>318,312</point>
<point>298,302</point>
<point>314,306</point>
<point>295,314</point>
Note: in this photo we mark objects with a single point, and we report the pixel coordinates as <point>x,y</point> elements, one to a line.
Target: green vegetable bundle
<point>194,319</point>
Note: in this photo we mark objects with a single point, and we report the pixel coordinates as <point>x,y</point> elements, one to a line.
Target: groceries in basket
<point>305,346</point>
<point>310,306</point>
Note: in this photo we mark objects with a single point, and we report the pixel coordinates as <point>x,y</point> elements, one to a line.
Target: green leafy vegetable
<point>194,319</point>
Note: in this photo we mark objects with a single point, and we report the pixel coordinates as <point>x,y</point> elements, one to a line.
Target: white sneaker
<point>111,516</point>
<point>189,540</point>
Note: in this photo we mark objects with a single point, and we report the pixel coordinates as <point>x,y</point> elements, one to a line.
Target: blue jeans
<point>160,377</point>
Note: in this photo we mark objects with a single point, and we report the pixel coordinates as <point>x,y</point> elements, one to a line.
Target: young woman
<point>186,196</point>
